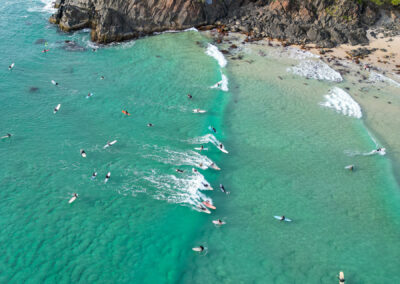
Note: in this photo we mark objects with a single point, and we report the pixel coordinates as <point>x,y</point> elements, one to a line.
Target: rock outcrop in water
<point>325,22</point>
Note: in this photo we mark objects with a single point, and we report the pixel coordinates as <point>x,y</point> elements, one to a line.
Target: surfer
<point>54,83</point>
<point>94,175</point>
<point>45,50</point>
<point>350,167</point>
<point>201,148</point>
<point>107,177</point>
<point>213,129</point>
<point>219,222</point>
<point>222,188</point>
<point>205,185</point>
<point>6,136</point>
<point>75,195</point>
<point>89,95</point>
<point>341,278</point>
<point>11,66</point>
<point>126,112</point>
<point>149,125</point>
<point>195,171</point>
<point>282,218</point>
<point>199,248</point>
<point>179,171</point>
<point>201,165</point>
<point>221,146</point>
<point>83,153</point>
<point>189,96</point>
<point>101,77</point>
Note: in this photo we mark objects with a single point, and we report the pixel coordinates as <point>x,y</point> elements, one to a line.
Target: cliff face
<point>326,22</point>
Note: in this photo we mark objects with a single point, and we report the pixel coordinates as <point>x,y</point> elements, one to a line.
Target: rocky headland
<point>326,23</point>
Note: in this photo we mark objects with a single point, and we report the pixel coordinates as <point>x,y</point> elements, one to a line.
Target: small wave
<point>208,138</point>
<point>222,85</point>
<point>183,190</point>
<point>192,29</point>
<point>214,52</point>
<point>315,69</point>
<point>342,102</point>
<point>47,8</point>
<point>188,158</point>
<point>376,77</point>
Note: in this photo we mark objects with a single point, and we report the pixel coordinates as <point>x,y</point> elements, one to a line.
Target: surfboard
<point>199,111</point>
<point>72,199</point>
<point>11,66</point>
<point>53,82</point>
<point>209,205</point>
<point>109,144</point>
<point>279,218</point>
<point>44,51</point>
<point>341,277</point>
<point>215,167</point>
<point>57,108</point>
<point>349,167</point>
<point>211,129</point>
<point>217,223</point>
<point>199,149</point>
<point>83,154</point>
<point>198,249</point>
<point>89,95</point>
<point>107,177</point>
<point>125,112</point>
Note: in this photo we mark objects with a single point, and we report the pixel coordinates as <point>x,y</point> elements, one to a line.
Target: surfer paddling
<point>6,136</point>
<point>283,218</point>
<point>149,125</point>
<point>83,153</point>
<point>221,186</point>
<point>198,249</point>
<point>349,167</point>
<point>94,175</point>
<point>126,112</point>
<point>179,171</point>
<point>74,197</point>
<point>107,177</point>
<point>54,83</point>
<point>11,66</point>
<point>189,96</point>
<point>218,222</point>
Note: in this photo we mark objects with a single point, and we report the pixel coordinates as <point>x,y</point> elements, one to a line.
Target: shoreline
<point>373,88</point>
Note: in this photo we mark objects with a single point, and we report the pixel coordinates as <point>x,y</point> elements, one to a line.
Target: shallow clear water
<point>287,155</point>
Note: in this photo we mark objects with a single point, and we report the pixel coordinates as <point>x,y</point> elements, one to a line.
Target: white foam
<point>188,158</point>
<point>213,51</point>
<point>222,85</point>
<point>376,77</point>
<point>180,190</point>
<point>208,138</point>
<point>291,52</point>
<point>47,8</point>
<point>192,29</point>
<point>342,102</point>
<point>315,69</point>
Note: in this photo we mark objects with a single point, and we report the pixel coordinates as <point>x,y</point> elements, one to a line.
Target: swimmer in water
<point>179,171</point>
<point>189,96</point>
<point>6,136</point>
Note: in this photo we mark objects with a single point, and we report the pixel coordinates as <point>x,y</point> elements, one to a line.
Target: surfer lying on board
<point>222,188</point>
<point>149,125</point>
<point>179,171</point>
<point>283,218</point>
<point>205,185</point>
<point>6,136</point>
<point>189,96</point>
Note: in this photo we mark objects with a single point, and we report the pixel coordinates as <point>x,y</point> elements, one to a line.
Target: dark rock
<point>70,45</point>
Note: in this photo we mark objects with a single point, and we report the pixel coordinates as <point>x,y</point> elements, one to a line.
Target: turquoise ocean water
<point>287,155</point>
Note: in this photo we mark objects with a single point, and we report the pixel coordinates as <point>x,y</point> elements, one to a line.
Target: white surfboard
<point>11,66</point>
<point>54,82</point>
<point>349,167</point>
<point>279,218</point>
<point>197,110</point>
<point>198,249</point>
<point>107,177</point>
<point>382,152</point>
<point>199,149</point>
<point>72,199</point>
<point>222,149</point>
<point>209,205</point>
<point>109,144</point>
<point>341,277</point>
<point>57,108</point>
<point>218,223</point>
